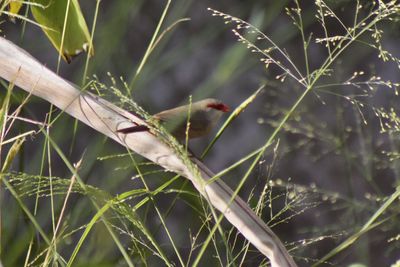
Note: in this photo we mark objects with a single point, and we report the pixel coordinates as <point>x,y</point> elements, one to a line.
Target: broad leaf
<point>50,14</point>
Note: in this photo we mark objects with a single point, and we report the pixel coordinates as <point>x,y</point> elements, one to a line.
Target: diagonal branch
<point>20,68</point>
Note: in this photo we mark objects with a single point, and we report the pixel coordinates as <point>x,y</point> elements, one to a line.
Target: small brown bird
<point>204,114</point>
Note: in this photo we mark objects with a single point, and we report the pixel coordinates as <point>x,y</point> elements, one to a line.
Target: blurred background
<point>333,151</point>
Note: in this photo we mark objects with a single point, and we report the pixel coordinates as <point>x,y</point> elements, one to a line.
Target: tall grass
<point>324,176</point>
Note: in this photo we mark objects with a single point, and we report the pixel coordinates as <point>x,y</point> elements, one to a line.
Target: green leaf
<point>50,14</point>
<point>14,7</point>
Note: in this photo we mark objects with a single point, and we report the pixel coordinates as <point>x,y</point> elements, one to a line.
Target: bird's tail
<point>133,129</point>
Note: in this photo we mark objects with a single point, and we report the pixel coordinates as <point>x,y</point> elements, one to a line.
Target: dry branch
<point>20,68</point>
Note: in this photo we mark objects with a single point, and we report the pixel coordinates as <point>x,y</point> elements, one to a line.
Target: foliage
<point>322,168</point>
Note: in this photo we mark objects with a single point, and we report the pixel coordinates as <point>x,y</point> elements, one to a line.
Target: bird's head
<point>208,111</point>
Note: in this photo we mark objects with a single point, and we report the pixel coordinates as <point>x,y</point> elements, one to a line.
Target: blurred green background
<point>333,147</point>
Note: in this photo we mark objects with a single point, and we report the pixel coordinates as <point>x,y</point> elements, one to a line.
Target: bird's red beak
<point>219,106</point>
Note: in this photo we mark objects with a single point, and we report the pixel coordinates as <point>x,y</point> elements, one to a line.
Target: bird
<point>203,114</point>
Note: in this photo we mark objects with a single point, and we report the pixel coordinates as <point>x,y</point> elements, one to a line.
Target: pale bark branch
<point>20,68</point>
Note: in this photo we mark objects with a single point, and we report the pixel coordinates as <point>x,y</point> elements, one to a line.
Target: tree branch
<point>20,68</point>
